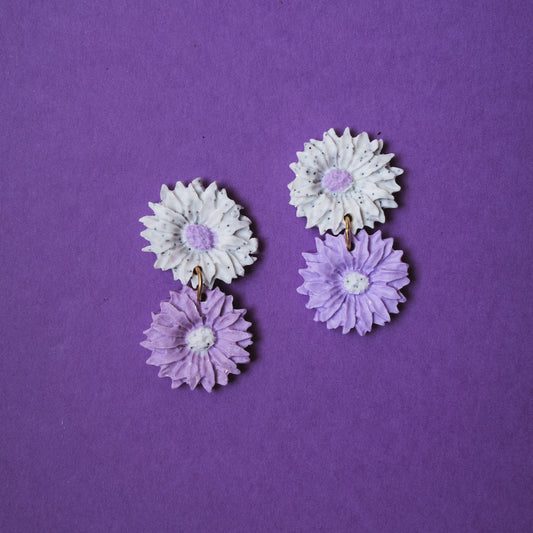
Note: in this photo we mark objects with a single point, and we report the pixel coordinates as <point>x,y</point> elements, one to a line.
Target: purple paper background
<point>422,425</point>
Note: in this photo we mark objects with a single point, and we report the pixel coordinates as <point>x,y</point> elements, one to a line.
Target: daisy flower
<point>341,176</point>
<point>356,288</point>
<point>198,342</point>
<point>193,226</point>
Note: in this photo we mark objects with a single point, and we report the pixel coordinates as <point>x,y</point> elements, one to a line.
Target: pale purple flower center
<point>355,282</point>
<point>337,180</point>
<point>199,340</point>
<point>199,237</point>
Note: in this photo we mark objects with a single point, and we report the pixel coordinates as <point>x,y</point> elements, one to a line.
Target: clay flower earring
<point>200,235</point>
<point>344,183</point>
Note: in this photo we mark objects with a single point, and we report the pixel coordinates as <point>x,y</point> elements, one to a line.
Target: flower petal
<point>233,335</point>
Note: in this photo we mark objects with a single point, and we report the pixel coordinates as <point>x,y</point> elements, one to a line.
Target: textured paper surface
<point>422,425</point>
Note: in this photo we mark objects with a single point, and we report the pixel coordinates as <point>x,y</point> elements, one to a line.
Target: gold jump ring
<point>198,271</point>
<point>347,232</point>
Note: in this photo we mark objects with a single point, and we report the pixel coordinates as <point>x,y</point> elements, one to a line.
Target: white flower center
<point>199,340</point>
<point>355,282</point>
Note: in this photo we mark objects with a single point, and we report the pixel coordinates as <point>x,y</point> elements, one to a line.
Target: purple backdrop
<point>422,425</point>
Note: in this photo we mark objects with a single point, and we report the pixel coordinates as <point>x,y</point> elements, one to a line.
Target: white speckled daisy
<point>196,226</point>
<point>341,176</point>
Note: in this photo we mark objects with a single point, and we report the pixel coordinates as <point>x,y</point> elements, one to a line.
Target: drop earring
<point>198,234</point>
<point>343,184</point>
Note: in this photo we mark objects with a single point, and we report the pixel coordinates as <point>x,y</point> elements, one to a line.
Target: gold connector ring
<point>198,271</point>
<point>347,234</point>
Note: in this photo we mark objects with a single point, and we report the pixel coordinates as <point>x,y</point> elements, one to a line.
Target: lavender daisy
<point>198,342</point>
<point>356,288</point>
